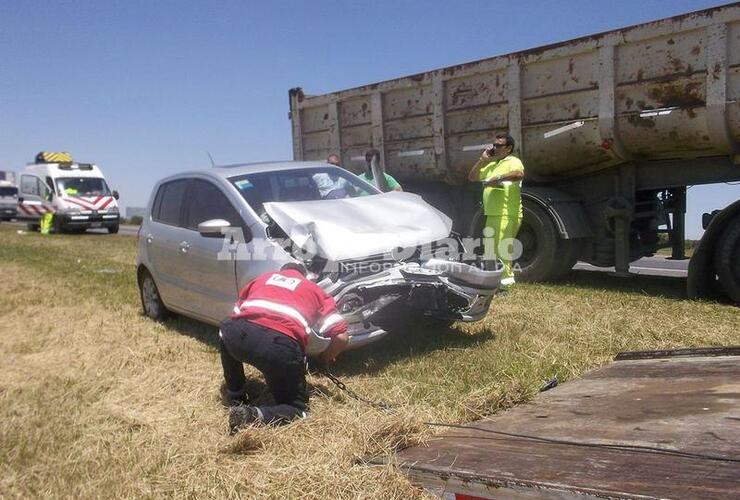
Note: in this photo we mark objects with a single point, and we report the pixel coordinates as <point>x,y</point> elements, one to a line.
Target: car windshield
<point>8,190</point>
<point>304,184</point>
<point>82,186</point>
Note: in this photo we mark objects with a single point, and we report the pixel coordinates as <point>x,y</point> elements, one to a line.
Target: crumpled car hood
<point>355,228</point>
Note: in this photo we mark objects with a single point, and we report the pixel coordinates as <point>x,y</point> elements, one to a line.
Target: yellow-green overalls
<point>502,206</point>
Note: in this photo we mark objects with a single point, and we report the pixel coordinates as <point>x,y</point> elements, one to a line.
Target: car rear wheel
<point>151,301</point>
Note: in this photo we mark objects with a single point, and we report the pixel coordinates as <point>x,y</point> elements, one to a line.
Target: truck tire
<point>568,253</point>
<point>113,229</point>
<point>727,259</point>
<point>540,245</point>
<point>151,301</point>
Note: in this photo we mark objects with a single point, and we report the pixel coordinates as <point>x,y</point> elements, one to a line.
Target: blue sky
<point>145,88</point>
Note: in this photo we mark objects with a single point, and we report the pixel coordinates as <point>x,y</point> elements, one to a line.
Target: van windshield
<point>8,191</point>
<point>304,184</point>
<point>82,186</point>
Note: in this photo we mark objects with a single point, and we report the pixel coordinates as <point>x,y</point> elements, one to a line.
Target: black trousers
<point>279,358</point>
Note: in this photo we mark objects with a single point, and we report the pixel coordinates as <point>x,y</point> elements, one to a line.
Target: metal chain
<point>380,405</point>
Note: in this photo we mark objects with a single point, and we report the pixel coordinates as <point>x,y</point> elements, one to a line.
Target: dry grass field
<point>98,401</point>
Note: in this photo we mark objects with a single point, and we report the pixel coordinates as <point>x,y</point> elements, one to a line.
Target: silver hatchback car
<point>382,256</point>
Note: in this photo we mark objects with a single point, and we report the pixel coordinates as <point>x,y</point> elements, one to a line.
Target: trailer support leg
<point>621,246</point>
<point>678,232</point>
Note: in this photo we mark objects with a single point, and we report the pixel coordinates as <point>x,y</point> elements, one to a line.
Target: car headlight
<point>113,210</point>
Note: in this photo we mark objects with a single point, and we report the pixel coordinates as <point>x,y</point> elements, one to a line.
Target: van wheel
<point>727,259</point>
<point>113,229</point>
<point>57,226</point>
<point>540,245</point>
<point>151,301</point>
<point>32,227</point>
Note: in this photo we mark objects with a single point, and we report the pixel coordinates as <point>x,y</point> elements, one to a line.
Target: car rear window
<point>168,205</point>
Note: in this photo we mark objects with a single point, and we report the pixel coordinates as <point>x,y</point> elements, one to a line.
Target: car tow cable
<point>379,405</point>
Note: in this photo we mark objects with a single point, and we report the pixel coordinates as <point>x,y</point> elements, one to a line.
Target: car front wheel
<point>151,301</point>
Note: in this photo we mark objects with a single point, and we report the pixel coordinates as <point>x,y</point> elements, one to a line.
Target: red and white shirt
<point>287,302</point>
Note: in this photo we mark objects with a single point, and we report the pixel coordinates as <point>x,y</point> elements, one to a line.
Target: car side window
<point>205,202</point>
<point>169,202</point>
<point>29,185</point>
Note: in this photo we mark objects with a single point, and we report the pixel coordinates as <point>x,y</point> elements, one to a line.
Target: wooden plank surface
<point>646,428</point>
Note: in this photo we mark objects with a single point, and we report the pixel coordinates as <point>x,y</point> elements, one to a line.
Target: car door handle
<point>184,247</point>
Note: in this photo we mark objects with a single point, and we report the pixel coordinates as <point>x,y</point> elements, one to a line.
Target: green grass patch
<point>97,400</point>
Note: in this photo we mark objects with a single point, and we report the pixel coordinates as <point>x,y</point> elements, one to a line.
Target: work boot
<point>229,399</point>
<point>241,416</point>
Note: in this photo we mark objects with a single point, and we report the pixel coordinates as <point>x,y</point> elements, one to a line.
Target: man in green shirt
<point>367,176</point>
<point>501,174</point>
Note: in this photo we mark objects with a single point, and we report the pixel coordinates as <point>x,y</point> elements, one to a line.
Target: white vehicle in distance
<point>382,257</point>
<point>8,200</point>
<point>76,193</point>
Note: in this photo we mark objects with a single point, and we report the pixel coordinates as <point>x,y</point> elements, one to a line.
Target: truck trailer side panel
<point>617,124</point>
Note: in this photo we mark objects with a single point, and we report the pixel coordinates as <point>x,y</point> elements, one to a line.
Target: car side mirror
<point>115,194</point>
<point>20,200</point>
<point>213,228</point>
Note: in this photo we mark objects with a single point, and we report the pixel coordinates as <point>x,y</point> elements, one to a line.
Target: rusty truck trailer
<point>612,128</point>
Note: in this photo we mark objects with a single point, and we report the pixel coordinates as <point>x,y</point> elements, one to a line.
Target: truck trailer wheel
<point>540,245</point>
<point>151,301</point>
<point>727,259</point>
<point>567,256</point>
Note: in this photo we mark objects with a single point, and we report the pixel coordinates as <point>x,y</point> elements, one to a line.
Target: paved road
<point>128,230</point>
<point>124,230</point>
<point>651,266</point>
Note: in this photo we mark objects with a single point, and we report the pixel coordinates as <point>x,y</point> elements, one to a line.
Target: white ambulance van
<point>76,193</point>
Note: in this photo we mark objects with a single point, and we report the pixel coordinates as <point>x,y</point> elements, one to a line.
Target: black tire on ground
<point>113,229</point>
<point>32,227</point>
<point>727,259</point>
<point>57,226</point>
<point>151,301</point>
<point>475,230</point>
<point>540,245</point>
<point>436,322</point>
<point>568,253</point>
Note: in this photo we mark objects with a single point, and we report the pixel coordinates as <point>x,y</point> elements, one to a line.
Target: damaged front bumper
<point>435,289</point>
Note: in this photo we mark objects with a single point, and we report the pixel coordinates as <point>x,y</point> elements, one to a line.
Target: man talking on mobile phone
<point>501,174</point>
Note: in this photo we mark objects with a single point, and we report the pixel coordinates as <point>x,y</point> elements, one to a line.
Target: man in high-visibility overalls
<point>501,174</point>
<point>45,223</point>
<point>47,219</point>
